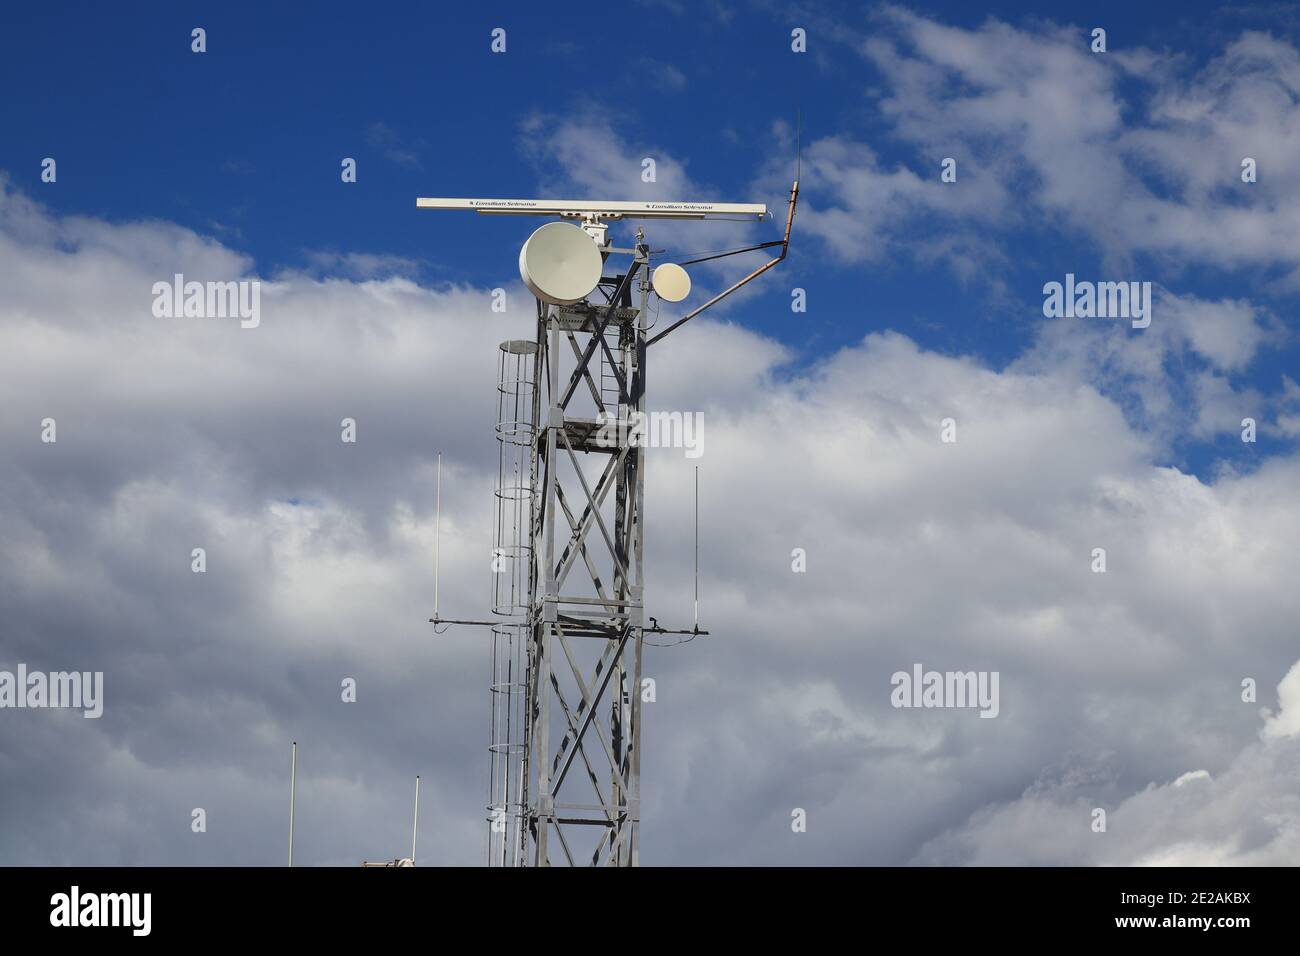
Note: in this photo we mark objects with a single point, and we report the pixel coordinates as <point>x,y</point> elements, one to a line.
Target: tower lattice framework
<point>582,773</point>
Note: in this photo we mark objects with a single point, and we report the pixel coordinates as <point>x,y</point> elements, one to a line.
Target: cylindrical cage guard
<point>511,565</point>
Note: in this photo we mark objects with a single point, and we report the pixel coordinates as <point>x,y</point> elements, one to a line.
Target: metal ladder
<point>609,396</point>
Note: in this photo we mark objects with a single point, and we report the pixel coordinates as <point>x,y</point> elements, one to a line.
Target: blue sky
<point>243,143</point>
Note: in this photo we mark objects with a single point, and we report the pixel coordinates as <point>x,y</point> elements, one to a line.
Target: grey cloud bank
<point>319,567</point>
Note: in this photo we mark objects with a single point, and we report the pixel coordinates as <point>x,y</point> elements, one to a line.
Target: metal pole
<point>697,547</point>
<point>293,786</point>
<point>415,830</point>
<point>437,540</point>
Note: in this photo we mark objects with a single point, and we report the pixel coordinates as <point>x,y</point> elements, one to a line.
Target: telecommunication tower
<point>568,577</point>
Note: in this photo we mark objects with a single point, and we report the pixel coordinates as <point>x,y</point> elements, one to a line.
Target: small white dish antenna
<point>671,282</point>
<point>560,264</point>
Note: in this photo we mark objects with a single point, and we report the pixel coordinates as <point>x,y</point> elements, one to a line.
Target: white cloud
<point>1286,722</point>
<point>1248,815</point>
<point>1174,378</point>
<point>1130,148</point>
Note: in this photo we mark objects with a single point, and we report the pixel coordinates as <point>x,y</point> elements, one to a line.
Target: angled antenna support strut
<point>785,247</point>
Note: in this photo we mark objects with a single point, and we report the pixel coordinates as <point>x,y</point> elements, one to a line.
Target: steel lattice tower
<point>587,617</point>
<point>565,740</point>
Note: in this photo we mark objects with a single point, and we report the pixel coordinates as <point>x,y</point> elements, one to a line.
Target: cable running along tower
<point>568,584</point>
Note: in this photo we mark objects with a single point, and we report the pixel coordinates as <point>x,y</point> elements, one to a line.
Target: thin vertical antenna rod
<point>293,787</point>
<point>415,829</point>
<point>798,143</point>
<point>437,541</point>
<point>697,547</point>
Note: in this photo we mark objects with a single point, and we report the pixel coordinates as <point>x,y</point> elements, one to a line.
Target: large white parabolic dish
<point>560,264</point>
